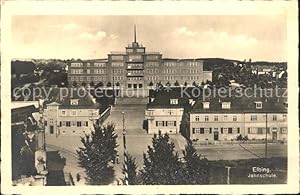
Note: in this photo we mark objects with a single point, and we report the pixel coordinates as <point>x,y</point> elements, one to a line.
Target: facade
<point>218,119</point>
<point>136,69</point>
<point>165,110</point>
<point>71,115</point>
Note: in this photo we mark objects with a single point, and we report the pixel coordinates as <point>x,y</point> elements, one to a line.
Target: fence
<point>229,142</point>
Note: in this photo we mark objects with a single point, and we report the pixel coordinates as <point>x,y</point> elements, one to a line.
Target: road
<point>137,139</point>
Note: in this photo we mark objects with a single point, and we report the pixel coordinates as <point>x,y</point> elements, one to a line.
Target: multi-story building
<point>165,110</point>
<point>225,119</point>
<point>72,113</point>
<point>136,69</point>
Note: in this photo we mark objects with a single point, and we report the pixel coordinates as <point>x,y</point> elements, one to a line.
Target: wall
<point>160,114</point>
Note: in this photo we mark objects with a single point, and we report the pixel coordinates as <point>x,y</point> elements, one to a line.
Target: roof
<point>64,96</point>
<point>21,113</point>
<point>162,97</point>
<point>242,105</point>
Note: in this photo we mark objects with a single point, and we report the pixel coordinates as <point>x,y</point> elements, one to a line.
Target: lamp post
<point>125,151</point>
<point>266,141</point>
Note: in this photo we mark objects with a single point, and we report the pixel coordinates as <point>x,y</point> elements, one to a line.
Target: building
<point>165,110</point>
<point>71,113</point>
<point>137,68</point>
<point>228,118</point>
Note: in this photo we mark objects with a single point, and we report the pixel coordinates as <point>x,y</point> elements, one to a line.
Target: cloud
<point>66,27</point>
<point>183,31</point>
<point>98,36</point>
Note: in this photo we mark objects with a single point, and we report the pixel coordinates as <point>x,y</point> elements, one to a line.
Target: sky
<point>88,37</point>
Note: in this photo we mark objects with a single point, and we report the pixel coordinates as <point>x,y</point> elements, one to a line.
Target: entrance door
<point>216,135</point>
<point>274,135</point>
<point>51,129</point>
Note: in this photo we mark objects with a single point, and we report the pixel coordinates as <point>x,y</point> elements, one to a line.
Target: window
<point>258,105</point>
<point>206,118</point>
<point>60,123</point>
<point>284,117</point>
<point>117,57</point>
<point>216,118</point>
<point>63,113</point>
<point>205,105</point>
<point>230,130</point>
<point>73,113</point>
<point>238,130</point>
<point>274,117</point>
<point>283,130</point>
<point>45,123</point>
<point>86,123</point>
<point>74,101</point>
<point>234,118</point>
<point>253,118</point>
<point>173,101</point>
<point>78,123</point>
<point>225,105</point>
<point>222,130</point>
<point>159,123</point>
<point>73,123</point>
<point>225,130</point>
<point>201,130</point>
<point>259,130</point>
<point>197,118</point>
<point>171,123</point>
<point>68,124</point>
<point>225,117</point>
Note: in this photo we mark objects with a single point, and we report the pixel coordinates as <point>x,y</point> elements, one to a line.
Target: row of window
<point>96,64</point>
<point>134,78</point>
<point>230,130</point>
<point>262,130</point>
<point>165,124</point>
<point>152,71</point>
<point>74,112</point>
<point>71,123</point>
<point>88,78</point>
<point>175,63</point>
<point>118,78</point>
<point>152,78</point>
<point>117,71</point>
<point>76,71</point>
<point>234,118</point>
<point>173,71</point>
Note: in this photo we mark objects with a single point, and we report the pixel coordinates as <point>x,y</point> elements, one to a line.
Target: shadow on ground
<point>55,165</point>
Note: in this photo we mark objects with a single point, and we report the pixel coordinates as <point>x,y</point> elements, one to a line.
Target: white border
<point>8,9</point>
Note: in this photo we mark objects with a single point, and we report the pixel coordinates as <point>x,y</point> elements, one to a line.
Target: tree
<point>100,84</point>
<point>151,84</point>
<point>108,84</point>
<point>117,84</point>
<point>196,167</point>
<point>74,84</point>
<point>194,84</point>
<point>176,84</point>
<point>185,84</point>
<point>83,84</point>
<point>131,170</point>
<point>99,149</point>
<point>168,84</point>
<point>162,165</point>
<point>92,84</point>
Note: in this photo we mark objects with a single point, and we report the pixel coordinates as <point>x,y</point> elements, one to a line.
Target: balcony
<point>135,67</point>
<point>131,74</point>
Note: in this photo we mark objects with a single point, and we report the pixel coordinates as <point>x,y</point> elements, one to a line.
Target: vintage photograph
<point>118,100</point>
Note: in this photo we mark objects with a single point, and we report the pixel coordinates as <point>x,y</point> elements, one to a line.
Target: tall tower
<point>134,34</point>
